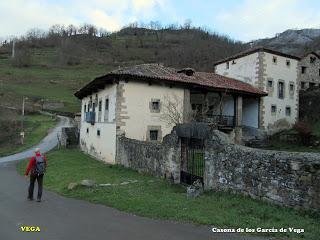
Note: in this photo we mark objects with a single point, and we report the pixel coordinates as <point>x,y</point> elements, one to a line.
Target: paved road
<point>60,218</point>
<point>48,143</point>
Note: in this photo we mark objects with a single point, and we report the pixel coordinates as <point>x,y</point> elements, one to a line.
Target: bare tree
<point>172,110</point>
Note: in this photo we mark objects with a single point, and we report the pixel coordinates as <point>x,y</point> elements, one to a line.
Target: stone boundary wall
<point>284,178</point>
<point>159,159</point>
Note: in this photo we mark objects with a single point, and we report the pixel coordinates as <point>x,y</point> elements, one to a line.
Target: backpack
<point>40,166</point>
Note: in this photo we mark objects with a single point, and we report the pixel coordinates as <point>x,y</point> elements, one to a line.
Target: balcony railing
<point>220,120</point>
<point>90,117</point>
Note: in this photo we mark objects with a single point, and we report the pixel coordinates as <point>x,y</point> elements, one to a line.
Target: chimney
<point>187,71</point>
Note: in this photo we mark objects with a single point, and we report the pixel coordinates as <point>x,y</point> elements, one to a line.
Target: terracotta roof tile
<point>161,73</point>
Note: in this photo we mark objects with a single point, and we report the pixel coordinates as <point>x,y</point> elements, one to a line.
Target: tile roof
<point>158,72</point>
<point>253,50</point>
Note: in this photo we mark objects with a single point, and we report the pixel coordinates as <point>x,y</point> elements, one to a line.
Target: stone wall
<point>284,178</point>
<point>311,75</point>
<point>289,179</point>
<point>159,159</point>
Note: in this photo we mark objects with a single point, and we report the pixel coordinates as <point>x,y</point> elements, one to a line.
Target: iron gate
<point>192,160</point>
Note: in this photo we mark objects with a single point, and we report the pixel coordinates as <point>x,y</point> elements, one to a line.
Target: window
<point>303,69</point>
<point>154,135</point>
<point>303,85</point>
<point>93,107</point>
<point>312,84</point>
<point>227,65</point>
<point>106,112</point>
<point>288,111</point>
<point>156,105</point>
<point>274,59</point>
<point>85,108</point>
<point>106,107</point>
<point>273,109</point>
<point>98,132</point>
<point>281,90</point>
<point>233,62</point>
<point>270,83</point>
<point>291,88</point>
<point>312,59</point>
<point>100,106</point>
<point>288,63</point>
<point>87,130</point>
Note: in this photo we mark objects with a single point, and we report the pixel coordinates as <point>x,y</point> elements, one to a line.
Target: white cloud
<point>18,16</point>
<point>259,19</point>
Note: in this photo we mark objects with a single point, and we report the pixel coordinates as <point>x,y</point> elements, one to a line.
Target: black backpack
<point>40,166</point>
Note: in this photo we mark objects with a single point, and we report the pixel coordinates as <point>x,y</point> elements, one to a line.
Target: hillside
<point>49,69</point>
<point>295,42</point>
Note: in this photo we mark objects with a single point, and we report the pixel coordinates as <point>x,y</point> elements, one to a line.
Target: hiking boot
<point>38,200</point>
<point>30,199</point>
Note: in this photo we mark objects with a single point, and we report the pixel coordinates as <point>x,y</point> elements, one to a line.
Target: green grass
<point>46,80</point>
<point>36,128</point>
<point>162,200</point>
<point>276,144</point>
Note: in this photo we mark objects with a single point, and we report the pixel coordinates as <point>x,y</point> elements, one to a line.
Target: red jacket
<point>32,163</point>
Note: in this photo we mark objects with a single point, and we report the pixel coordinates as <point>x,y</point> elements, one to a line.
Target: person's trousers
<point>39,179</point>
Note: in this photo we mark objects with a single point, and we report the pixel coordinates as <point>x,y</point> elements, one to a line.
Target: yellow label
<point>30,229</point>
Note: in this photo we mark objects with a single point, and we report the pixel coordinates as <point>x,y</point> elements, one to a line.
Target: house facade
<point>309,71</point>
<point>145,102</point>
<point>274,73</point>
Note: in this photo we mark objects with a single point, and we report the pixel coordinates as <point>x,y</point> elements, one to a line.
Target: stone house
<point>309,70</point>
<point>273,72</point>
<point>145,102</point>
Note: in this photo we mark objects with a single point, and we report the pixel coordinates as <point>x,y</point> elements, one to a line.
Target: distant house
<point>309,70</point>
<point>270,71</point>
<point>144,102</point>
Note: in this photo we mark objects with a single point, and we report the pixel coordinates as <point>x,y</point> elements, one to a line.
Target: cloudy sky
<point>240,19</point>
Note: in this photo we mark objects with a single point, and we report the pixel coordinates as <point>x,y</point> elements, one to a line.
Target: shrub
<point>304,131</point>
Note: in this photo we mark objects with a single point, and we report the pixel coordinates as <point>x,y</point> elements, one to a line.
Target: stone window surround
<point>291,92</point>
<point>154,128</point>
<point>273,113</point>
<point>286,112</point>
<point>151,105</point>
<point>270,89</point>
<point>284,88</point>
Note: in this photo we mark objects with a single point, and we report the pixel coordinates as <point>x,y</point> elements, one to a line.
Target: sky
<point>243,20</point>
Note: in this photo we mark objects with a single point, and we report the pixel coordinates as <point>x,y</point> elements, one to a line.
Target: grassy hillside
<point>50,69</point>
<point>43,81</point>
<point>35,128</point>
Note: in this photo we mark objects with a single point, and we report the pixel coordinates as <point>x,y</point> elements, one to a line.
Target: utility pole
<point>22,119</point>
<point>13,48</point>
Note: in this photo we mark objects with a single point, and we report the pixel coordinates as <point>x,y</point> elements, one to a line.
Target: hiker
<point>37,165</point>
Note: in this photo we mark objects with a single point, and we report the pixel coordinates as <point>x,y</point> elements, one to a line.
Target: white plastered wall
<point>102,147</point>
<point>279,71</point>
<point>243,69</point>
<point>138,96</point>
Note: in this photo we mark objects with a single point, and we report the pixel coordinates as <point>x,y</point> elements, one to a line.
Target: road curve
<point>46,144</point>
